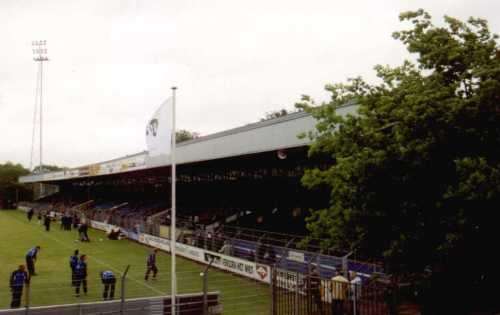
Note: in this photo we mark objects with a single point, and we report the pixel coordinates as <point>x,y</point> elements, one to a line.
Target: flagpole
<point>173,210</point>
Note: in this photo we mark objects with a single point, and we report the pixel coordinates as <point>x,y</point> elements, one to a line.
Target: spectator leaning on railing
<point>339,285</point>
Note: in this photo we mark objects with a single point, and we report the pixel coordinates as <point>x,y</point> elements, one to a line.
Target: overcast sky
<point>113,62</point>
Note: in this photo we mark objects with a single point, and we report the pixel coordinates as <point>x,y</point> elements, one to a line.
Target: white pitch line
<point>95,259</point>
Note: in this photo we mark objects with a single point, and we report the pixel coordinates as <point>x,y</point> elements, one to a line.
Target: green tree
<point>9,185</point>
<point>275,114</point>
<point>415,175</point>
<point>185,135</point>
<point>49,168</point>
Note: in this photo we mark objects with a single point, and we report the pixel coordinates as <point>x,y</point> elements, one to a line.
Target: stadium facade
<point>240,200</point>
<point>245,178</point>
<point>250,140</point>
<point>254,168</point>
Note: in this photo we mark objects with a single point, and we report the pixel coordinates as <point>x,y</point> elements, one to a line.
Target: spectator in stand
<point>355,287</point>
<point>81,275</point>
<point>200,239</point>
<point>31,259</point>
<point>339,285</point>
<point>269,255</point>
<point>226,249</point>
<point>109,281</point>
<point>18,279</point>
<point>314,291</point>
<point>251,256</point>
<point>209,241</point>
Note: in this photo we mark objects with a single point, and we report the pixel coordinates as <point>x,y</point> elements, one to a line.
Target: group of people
<point>20,277</point>
<point>46,217</point>
<point>343,289</point>
<point>67,221</point>
<point>79,274</point>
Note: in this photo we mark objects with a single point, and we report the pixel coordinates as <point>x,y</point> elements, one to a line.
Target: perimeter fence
<point>201,291</point>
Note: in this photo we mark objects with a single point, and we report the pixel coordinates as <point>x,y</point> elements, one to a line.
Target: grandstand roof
<point>265,136</point>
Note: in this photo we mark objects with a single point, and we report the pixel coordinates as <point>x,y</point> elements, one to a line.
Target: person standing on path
<point>18,280</point>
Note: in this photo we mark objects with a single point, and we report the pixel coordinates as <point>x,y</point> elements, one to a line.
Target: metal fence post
<point>354,297</point>
<point>273,290</point>
<point>297,303</point>
<point>27,301</point>
<point>205,292</point>
<point>122,290</point>
<point>204,274</point>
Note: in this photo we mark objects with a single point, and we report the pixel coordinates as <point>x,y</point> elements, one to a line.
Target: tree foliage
<point>185,135</point>
<point>275,114</point>
<point>48,168</point>
<point>415,175</point>
<point>9,175</point>
<point>279,113</point>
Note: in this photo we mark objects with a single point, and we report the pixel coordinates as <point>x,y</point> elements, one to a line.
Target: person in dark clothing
<point>73,262</point>
<point>251,255</point>
<point>83,230</point>
<point>76,221</point>
<point>109,281</point>
<point>63,222</point>
<point>31,259</point>
<point>31,212</point>
<point>18,279</point>
<point>69,223</point>
<point>46,222</point>
<point>81,275</point>
<point>314,291</point>
<point>114,234</point>
<point>151,265</point>
<point>39,217</point>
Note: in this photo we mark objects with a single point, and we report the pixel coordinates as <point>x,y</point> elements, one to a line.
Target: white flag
<point>159,130</point>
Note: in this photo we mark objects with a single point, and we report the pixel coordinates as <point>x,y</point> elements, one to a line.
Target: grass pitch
<point>53,284</point>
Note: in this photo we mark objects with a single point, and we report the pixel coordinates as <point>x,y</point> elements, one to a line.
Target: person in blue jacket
<point>81,275</point>
<point>18,279</point>
<point>109,280</point>
<point>31,259</point>
<point>73,261</point>
<point>151,265</point>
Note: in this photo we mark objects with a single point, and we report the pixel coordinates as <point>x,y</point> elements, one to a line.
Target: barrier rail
<point>188,304</point>
<point>297,294</point>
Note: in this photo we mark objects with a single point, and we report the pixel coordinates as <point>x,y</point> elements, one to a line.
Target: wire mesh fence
<point>299,294</point>
<point>244,267</point>
<point>187,304</point>
<point>202,290</point>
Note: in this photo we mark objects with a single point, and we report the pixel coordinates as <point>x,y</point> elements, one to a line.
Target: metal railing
<point>298,294</point>
<point>127,302</point>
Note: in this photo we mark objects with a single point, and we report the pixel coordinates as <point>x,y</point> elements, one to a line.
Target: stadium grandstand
<point>239,193</point>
